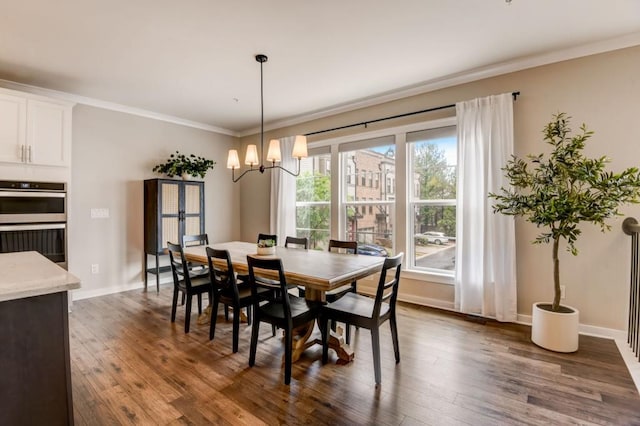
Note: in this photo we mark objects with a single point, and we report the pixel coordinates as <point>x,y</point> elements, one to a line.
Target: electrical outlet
<point>563,292</point>
<point>95,268</point>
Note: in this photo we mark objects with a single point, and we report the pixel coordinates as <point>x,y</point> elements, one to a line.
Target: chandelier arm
<point>297,173</point>
<point>243,173</point>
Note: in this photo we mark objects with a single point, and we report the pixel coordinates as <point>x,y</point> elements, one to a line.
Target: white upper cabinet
<point>13,126</point>
<point>34,130</point>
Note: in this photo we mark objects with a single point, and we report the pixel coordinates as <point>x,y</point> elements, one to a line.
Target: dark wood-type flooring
<point>130,365</point>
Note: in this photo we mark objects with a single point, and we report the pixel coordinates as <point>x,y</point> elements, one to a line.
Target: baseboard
<point>587,330</point>
<point>104,291</point>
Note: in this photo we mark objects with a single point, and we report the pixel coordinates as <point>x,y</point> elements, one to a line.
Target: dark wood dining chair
<point>272,237</point>
<point>261,236</point>
<point>287,311</point>
<point>368,312</point>
<point>347,247</point>
<point>196,240</point>
<point>297,242</point>
<point>226,290</point>
<point>186,282</point>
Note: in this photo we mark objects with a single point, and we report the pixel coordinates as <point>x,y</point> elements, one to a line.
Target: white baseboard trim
<point>104,291</point>
<point>587,330</point>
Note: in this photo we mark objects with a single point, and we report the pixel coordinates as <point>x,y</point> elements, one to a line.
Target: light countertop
<point>28,273</point>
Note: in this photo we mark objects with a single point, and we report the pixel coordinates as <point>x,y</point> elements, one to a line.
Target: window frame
<point>402,191</point>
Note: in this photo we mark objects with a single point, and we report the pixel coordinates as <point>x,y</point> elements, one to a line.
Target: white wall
<point>601,90</point>
<point>112,153</point>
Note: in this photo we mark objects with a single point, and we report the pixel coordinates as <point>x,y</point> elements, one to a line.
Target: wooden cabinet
<point>172,208</point>
<point>35,383</point>
<point>34,130</point>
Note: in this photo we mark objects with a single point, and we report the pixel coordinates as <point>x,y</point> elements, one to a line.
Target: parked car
<point>372,250</point>
<point>431,237</point>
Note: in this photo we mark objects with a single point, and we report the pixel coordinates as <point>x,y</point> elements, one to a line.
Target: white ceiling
<point>194,59</point>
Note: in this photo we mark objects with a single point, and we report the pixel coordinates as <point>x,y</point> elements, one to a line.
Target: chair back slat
<point>263,237</point>
<point>195,240</point>
<point>343,246</point>
<point>179,267</point>
<point>222,277</point>
<point>388,289</point>
<point>268,273</point>
<point>297,242</point>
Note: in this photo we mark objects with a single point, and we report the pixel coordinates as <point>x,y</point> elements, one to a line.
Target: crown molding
<point>481,73</point>
<point>603,46</point>
<point>112,106</point>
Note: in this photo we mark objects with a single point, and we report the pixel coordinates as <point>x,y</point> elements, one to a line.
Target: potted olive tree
<point>186,166</point>
<point>558,193</point>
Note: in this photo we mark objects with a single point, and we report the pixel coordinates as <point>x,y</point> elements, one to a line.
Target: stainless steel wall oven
<point>33,216</point>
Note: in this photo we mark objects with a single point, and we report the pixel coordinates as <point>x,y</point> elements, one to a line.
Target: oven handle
<point>34,227</point>
<point>32,194</point>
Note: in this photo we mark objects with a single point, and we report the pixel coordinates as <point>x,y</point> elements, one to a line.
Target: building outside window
<point>369,210</point>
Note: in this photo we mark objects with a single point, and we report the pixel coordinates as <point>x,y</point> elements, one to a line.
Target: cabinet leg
<point>144,270</point>
<point>157,275</point>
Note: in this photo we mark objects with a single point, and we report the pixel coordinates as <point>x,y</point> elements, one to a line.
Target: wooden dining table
<point>318,271</point>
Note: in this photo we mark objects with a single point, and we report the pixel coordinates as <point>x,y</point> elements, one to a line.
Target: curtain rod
<point>365,123</point>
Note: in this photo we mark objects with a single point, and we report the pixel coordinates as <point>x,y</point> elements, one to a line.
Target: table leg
<point>336,341</point>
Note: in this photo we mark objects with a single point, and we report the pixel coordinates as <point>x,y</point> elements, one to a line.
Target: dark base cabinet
<point>35,374</point>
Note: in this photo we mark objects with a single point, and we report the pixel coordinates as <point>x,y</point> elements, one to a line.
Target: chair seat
<point>198,284</point>
<point>200,271</point>
<point>353,304</point>
<point>301,311</point>
<point>244,294</point>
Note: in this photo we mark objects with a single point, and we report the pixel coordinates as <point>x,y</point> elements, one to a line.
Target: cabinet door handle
<point>30,156</point>
<point>22,154</point>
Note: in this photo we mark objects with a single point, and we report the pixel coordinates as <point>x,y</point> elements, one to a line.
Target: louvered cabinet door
<point>193,208</point>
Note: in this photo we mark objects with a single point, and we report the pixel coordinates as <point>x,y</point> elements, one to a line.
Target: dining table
<point>317,270</point>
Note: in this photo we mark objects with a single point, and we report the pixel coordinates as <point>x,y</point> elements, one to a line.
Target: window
<point>313,200</point>
<point>368,210</point>
<point>432,164</point>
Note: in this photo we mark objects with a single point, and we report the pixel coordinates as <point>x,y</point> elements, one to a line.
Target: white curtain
<point>283,194</point>
<point>485,250</point>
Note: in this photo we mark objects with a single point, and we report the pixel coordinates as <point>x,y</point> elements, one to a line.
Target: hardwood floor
<point>130,365</point>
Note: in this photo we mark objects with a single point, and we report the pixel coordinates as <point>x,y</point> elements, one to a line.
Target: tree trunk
<point>556,275</point>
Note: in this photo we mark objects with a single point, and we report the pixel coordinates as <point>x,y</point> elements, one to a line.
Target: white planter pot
<point>555,331</point>
<point>266,251</point>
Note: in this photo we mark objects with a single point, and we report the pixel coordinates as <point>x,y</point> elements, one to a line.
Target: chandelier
<point>273,154</point>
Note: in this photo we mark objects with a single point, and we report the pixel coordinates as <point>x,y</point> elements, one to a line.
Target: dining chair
<point>261,236</point>
<point>226,290</point>
<point>273,237</point>
<point>287,311</point>
<point>196,240</point>
<point>338,246</point>
<point>186,282</point>
<point>297,242</point>
<point>367,312</point>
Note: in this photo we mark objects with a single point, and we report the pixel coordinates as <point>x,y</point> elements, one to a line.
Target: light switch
<point>99,213</point>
